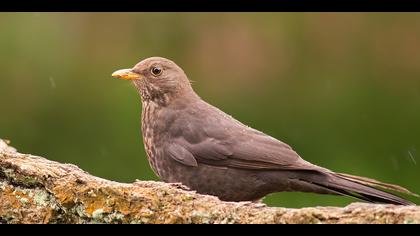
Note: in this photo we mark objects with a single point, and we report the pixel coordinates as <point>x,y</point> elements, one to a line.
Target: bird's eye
<point>156,70</point>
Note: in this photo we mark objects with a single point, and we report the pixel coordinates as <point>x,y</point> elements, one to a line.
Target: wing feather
<point>220,140</point>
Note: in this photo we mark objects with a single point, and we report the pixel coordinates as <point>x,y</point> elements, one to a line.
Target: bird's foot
<point>259,203</point>
<point>179,186</point>
<point>256,203</point>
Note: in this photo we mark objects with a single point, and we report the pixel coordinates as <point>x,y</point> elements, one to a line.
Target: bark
<point>36,190</point>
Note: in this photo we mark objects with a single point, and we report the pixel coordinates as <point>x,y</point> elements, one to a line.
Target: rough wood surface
<point>36,190</point>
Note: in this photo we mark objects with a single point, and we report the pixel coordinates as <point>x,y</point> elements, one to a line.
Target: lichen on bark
<point>36,190</point>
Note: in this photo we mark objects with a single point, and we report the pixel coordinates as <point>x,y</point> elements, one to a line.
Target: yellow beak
<point>126,74</point>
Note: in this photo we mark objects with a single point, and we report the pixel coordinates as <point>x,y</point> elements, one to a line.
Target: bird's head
<point>157,79</point>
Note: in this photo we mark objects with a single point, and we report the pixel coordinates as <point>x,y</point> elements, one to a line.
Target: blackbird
<point>191,142</point>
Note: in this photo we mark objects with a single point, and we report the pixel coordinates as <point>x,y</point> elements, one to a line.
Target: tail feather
<point>362,188</point>
<point>342,192</point>
<point>374,183</point>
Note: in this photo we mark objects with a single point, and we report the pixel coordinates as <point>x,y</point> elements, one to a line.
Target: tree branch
<point>36,190</point>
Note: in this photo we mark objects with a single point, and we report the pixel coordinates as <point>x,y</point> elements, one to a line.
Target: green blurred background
<point>342,89</point>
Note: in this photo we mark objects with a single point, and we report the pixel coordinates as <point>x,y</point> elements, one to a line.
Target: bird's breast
<point>153,127</point>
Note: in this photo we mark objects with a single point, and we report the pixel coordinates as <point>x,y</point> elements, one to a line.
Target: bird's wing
<point>251,149</point>
<point>260,151</point>
<point>181,154</point>
<point>220,140</point>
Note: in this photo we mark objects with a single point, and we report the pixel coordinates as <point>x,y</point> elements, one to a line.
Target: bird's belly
<point>229,184</point>
<point>226,183</point>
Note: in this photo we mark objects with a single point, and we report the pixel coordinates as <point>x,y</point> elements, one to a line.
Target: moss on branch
<point>36,190</point>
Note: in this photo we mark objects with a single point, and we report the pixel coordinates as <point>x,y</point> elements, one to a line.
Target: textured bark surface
<point>36,190</point>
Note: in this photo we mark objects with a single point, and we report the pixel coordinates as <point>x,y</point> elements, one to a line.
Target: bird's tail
<point>362,188</point>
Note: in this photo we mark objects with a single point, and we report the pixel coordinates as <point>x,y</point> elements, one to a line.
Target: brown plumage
<point>191,142</point>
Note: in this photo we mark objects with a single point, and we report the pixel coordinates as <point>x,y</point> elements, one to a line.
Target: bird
<point>193,143</point>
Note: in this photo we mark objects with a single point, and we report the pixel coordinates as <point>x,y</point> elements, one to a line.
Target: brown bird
<point>191,142</point>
